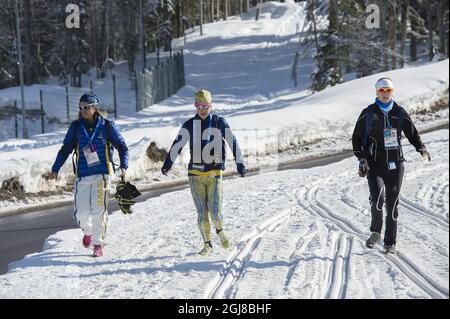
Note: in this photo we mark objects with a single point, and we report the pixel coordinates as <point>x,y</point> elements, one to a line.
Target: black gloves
<point>425,154</point>
<point>241,169</point>
<point>363,167</point>
<point>164,171</point>
<point>125,193</point>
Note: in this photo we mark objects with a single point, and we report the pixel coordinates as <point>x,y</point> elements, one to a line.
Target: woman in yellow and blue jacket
<point>206,134</point>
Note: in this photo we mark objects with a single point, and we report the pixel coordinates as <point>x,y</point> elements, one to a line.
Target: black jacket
<point>374,151</point>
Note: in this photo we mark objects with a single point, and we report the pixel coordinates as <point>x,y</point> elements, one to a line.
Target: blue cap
<point>89,98</point>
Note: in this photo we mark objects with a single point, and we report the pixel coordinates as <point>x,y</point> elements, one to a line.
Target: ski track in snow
<point>308,200</point>
<point>223,285</point>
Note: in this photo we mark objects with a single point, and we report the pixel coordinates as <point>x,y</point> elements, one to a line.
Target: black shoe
<point>373,240</point>
<point>389,249</point>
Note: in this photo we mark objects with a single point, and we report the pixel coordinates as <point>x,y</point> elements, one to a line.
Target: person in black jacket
<point>206,134</point>
<point>377,145</point>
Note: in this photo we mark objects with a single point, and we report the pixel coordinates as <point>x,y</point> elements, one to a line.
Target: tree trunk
<point>441,26</point>
<point>226,9</point>
<point>384,36</point>
<point>404,5</point>
<point>104,33</point>
<point>105,27</point>
<point>167,42</point>
<point>413,39</point>
<point>111,37</point>
<point>94,38</point>
<point>28,44</point>
<point>178,21</point>
<point>430,30</point>
<point>218,10</point>
<point>316,39</point>
<point>332,15</point>
<point>393,34</point>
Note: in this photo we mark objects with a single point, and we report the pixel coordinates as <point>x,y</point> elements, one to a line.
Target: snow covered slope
<point>296,234</point>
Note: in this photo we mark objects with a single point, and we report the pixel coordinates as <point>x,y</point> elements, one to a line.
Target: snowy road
<point>296,234</point>
<point>25,233</point>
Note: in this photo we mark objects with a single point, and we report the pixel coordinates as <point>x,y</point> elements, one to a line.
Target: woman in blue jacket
<point>92,137</point>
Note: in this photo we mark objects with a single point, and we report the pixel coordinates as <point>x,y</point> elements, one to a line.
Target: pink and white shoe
<point>87,240</point>
<point>98,251</point>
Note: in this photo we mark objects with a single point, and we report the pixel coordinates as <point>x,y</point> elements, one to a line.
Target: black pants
<point>384,186</point>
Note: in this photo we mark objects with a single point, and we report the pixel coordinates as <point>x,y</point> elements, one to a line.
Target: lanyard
<point>90,139</point>
<point>386,115</point>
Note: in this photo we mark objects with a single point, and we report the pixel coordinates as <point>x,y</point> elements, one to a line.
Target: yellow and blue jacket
<point>195,129</point>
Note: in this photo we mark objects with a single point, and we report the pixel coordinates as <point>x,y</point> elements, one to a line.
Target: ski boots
<point>373,240</point>
<point>224,241</point>
<point>207,249</point>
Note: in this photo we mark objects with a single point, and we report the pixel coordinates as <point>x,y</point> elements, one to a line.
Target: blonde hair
<point>103,113</point>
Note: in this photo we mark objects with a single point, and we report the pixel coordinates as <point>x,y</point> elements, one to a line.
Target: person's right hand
<point>425,154</point>
<point>363,167</point>
<point>241,170</point>
<point>53,176</point>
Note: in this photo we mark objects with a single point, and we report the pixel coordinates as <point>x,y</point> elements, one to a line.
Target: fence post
<point>136,87</point>
<point>167,78</point>
<point>115,97</point>
<point>154,84</point>
<point>67,104</point>
<point>144,89</point>
<point>16,122</point>
<point>179,80</point>
<point>174,76</point>
<point>183,74</point>
<point>42,112</point>
<point>148,89</point>
<point>159,86</point>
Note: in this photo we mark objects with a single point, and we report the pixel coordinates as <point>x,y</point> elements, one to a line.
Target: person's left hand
<point>123,172</point>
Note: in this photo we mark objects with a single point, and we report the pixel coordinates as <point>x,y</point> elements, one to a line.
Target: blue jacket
<point>212,121</point>
<point>78,137</point>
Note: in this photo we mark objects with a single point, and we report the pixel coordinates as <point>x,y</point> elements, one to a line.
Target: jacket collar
<point>197,117</point>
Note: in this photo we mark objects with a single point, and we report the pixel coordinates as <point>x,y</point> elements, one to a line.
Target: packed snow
<point>295,234</point>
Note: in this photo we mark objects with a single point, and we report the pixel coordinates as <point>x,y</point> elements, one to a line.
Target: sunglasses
<point>85,107</point>
<point>201,106</point>
<point>385,90</point>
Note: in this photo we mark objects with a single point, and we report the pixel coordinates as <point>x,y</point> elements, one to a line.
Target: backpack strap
<point>77,130</point>
<point>401,120</point>
<point>368,128</point>
<point>216,119</point>
<point>108,128</point>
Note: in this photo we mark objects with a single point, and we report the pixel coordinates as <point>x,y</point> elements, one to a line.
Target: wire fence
<point>157,83</point>
<point>151,86</point>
